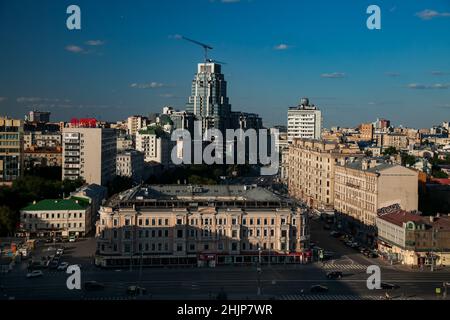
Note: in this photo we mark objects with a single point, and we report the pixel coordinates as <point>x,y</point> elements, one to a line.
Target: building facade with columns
<point>201,225</point>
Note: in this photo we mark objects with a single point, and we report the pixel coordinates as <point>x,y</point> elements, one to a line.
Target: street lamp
<point>258,271</point>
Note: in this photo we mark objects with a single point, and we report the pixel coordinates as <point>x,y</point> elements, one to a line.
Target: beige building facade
<point>90,154</point>
<point>201,225</point>
<point>311,167</point>
<point>364,186</point>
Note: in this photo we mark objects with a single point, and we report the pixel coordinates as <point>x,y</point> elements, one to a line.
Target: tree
<point>408,160</point>
<point>390,151</point>
<point>8,220</point>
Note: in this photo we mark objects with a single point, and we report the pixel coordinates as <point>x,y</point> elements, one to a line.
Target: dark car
<point>93,286</point>
<point>389,286</point>
<point>334,275</point>
<point>135,290</point>
<point>318,289</point>
<point>327,227</point>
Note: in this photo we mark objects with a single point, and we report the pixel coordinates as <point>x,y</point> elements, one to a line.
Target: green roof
<point>58,205</point>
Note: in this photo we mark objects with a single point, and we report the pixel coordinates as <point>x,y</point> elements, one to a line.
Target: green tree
<point>390,151</point>
<point>8,220</point>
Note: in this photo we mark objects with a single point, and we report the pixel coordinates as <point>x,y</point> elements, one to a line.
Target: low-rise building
<point>415,240</point>
<point>204,225</point>
<point>57,217</point>
<point>43,157</point>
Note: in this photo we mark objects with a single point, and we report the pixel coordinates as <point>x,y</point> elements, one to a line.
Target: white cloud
<point>334,75</point>
<point>176,36</point>
<point>151,85</point>
<point>3,99</point>
<point>39,99</point>
<point>424,86</point>
<point>95,43</point>
<point>282,46</point>
<point>74,49</point>
<point>429,14</point>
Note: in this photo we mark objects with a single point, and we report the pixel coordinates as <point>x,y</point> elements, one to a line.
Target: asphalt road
<point>277,281</point>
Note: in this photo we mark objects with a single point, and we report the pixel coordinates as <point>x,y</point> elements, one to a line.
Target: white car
<point>63,266</point>
<point>35,274</point>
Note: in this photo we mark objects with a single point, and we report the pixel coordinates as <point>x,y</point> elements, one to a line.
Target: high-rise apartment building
<point>304,121</point>
<point>11,150</point>
<point>209,101</point>
<point>366,131</point>
<point>90,154</point>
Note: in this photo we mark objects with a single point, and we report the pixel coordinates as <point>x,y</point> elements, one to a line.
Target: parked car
<point>389,286</point>
<point>334,275</point>
<point>135,290</point>
<point>93,286</point>
<point>72,239</point>
<point>35,274</point>
<point>60,251</point>
<point>318,289</point>
<point>327,227</point>
<point>63,266</point>
<point>335,234</point>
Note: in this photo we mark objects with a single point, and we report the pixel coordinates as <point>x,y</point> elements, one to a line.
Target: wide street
<point>291,282</point>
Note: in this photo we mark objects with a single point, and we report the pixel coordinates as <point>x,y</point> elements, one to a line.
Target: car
<point>53,264</point>
<point>72,239</point>
<point>35,274</point>
<point>334,275</point>
<point>60,251</point>
<point>135,290</point>
<point>327,227</point>
<point>93,286</point>
<point>63,266</point>
<point>372,254</point>
<point>48,240</point>
<point>318,289</point>
<point>389,286</point>
<point>335,234</point>
<point>58,240</point>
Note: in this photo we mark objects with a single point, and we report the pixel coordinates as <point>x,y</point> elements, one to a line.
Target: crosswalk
<point>341,297</point>
<point>342,267</point>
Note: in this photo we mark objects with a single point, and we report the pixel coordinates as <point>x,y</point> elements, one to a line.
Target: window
<point>179,247</point>
<point>179,233</point>
<point>179,221</point>
<point>140,222</point>
<point>147,222</point>
<point>234,234</point>
<point>283,233</point>
<point>234,246</point>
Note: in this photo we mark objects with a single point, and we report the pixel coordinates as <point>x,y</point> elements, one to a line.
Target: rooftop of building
<point>368,164</point>
<point>74,203</point>
<point>220,195</point>
<point>400,217</point>
<point>249,193</point>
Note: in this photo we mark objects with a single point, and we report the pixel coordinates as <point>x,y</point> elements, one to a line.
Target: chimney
<point>365,164</point>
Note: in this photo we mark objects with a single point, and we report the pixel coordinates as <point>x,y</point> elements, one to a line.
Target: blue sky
<point>276,53</point>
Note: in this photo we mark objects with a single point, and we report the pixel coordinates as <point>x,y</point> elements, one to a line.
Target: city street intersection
<point>286,282</point>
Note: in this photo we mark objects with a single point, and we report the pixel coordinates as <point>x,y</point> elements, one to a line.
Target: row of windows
<point>53,215</point>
